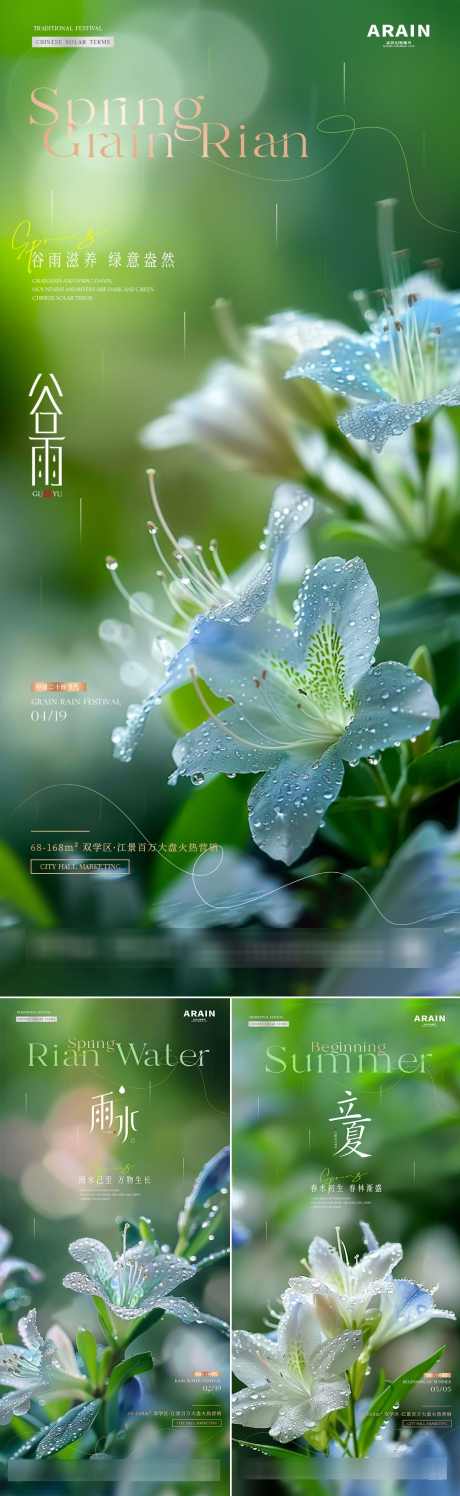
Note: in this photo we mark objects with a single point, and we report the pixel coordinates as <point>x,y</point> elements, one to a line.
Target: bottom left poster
<point>114,1183</point>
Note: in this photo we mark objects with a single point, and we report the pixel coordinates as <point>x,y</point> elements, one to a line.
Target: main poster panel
<point>114,1163</point>
<point>231,497</point>
<point>346,1155</point>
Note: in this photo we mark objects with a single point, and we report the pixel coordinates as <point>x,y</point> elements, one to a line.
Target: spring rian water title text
<point>118,129</point>
<point>88,1054</point>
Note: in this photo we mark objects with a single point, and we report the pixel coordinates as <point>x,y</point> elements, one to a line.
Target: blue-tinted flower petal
<point>431,312</point>
<point>419,889</point>
<point>231,658</point>
<point>404,1305</point>
<point>184,1310</point>
<point>94,1255</point>
<point>343,595</point>
<point>12,1405</point>
<point>226,888</point>
<point>392,704</point>
<point>215,1175</point>
<point>177,674</point>
<point>348,366</point>
<point>289,803</point>
<point>10,1265</point>
<point>425,1463</point>
<point>229,746</point>
<point>291,509</point>
<point>376,423</point>
<point>127,738</point>
<point>212,639</point>
<point>240,1233</point>
<point>370,1240</point>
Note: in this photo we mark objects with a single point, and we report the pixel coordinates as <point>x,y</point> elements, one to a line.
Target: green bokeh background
<point>283,1142</point>
<point>121,359</point>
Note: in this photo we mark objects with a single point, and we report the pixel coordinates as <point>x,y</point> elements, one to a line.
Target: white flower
<point>362,1295</point>
<point>38,1369</point>
<point>140,1279</point>
<point>10,1265</point>
<point>295,1379</point>
<point>243,411</point>
<point>344,1294</point>
<point>232,414</point>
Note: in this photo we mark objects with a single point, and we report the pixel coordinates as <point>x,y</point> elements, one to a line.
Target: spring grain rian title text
<point>117,129</point>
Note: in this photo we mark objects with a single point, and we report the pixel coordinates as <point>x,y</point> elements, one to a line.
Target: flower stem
<point>343,1442</point>
<point>422,444</point>
<point>354,1431</point>
<point>382,781</point>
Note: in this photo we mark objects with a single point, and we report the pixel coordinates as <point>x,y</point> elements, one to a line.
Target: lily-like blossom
<point>344,1293</point>
<point>236,417</point>
<point>11,1265</point>
<point>362,1294</point>
<point>228,893</point>
<point>140,1279</point>
<point>243,412</point>
<point>415,911</point>
<point>39,1369</point>
<point>294,1379</point>
<point>402,370</point>
<point>200,592</point>
<point>306,700</point>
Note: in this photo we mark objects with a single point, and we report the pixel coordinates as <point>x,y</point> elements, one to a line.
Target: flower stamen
<point>134,605</point>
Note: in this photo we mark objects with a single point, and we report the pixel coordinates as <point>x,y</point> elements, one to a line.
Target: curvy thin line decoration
<point>307,878</point>
<point>221,1111</point>
<point>251,898</point>
<point>350,130</point>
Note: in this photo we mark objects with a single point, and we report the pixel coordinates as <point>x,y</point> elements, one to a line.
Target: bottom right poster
<point>346,1268</point>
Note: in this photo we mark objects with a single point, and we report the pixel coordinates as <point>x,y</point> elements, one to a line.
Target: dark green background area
<point>45,1150</point>
<point>184,1124</point>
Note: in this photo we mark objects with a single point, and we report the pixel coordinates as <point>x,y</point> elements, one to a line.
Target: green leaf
<point>216,813</point>
<point>435,771</point>
<point>104,1319</point>
<point>393,1393</point>
<point>87,1348</point>
<point>147,1231</point>
<point>434,616</point>
<point>135,1366</point>
<point>140,1326</point>
<point>21,891</point>
<point>421,662</point>
<point>104,1365</point>
<point>300,1464</point>
<point>347,530</point>
<point>361,828</point>
<point>67,1429</point>
<point>28,1447</point>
